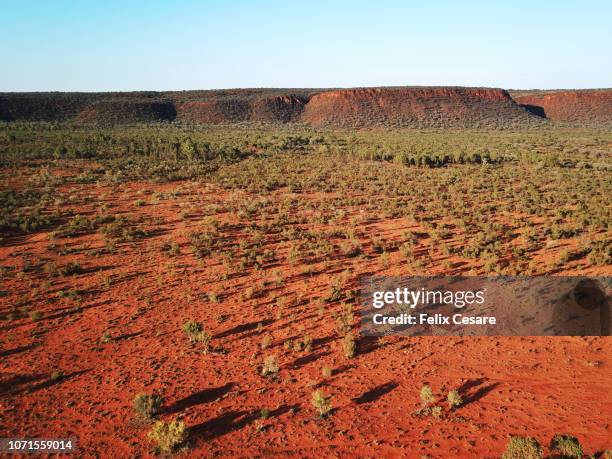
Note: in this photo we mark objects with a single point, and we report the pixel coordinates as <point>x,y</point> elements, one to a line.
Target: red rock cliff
<point>571,106</point>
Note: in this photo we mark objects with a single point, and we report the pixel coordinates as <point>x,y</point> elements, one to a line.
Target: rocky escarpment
<point>281,109</point>
<point>574,106</point>
<point>42,106</point>
<point>416,107</point>
<point>127,111</point>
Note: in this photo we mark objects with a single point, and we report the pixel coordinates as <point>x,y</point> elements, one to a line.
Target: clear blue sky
<point>93,45</point>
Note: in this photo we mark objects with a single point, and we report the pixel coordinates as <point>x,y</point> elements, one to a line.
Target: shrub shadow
<point>204,396</point>
<point>374,394</point>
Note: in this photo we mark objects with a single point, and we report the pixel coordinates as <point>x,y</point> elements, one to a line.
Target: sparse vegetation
<point>270,366</point>
<point>35,316</point>
<point>426,395</point>
<point>326,372</point>
<point>267,231</point>
<point>523,448</point>
<point>196,333</point>
<point>567,446</point>
<point>168,436</point>
<point>454,399</point>
<point>321,403</point>
<point>349,347</point>
<point>148,406</point>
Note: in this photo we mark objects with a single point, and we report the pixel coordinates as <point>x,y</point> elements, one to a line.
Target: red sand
<point>511,386</point>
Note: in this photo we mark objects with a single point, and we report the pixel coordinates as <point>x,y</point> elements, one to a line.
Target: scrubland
<point>192,290</point>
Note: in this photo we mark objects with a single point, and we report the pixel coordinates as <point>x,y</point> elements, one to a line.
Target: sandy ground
<point>141,296</point>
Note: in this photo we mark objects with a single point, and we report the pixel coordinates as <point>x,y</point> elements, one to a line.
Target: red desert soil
<point>580,106</point>
<point>142,297</point>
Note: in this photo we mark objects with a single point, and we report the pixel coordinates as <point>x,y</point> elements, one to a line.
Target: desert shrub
<point>106,338</point>
<point>349,346</point>
<point>121,230</point>
<point>168,435</point>
<point>270,366</point>
<point>192,328</point>
<point>335,291</point>
<point>344,321</point>
<point>523,448</point>
<point>326,372</point>
<point>196,333</point>
<point>35,316</point>
<point>600,253</point>
<point>321,403</point>
<point>214,297</point>
<point>307,343</point>
<point>148,406</point>
<point>567,446</point>
<point>266,341</point>
<point>426,395</point>
<point>70,269</point>
<point>454,399</point>
<point>171,248</point>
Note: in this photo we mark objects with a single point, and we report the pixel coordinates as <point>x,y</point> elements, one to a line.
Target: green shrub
<point>270,366</point>
<point>349,346</point>
<point>322,403</point>
<point>567,446</point>
<point>35,316</point>
<point>196,333</point>
<point>426,395</point>
<point>454,399</point>
<point>148,406</point>
<point>523,448</point>
<point>71,268</point>
<point>168,435</point>
<point>266,341</point>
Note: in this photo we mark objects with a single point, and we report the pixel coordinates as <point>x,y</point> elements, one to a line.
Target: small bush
<point>322,403</point>
<point>307,342</point>
<point>148,406</point>
<point>266,341</point>
<point>270,366</point>
<point>523,448</point>
<point>70,269</point>
<point>567,446</point>
<point>192,328</point>
<point>348,346</point>
<point>326,372</point>
<point>106,338</point>
<point>426,395</point>
<point>196,333</point>
<point>35,316</point>
<point>454,399</point>
<point>168,435</point>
